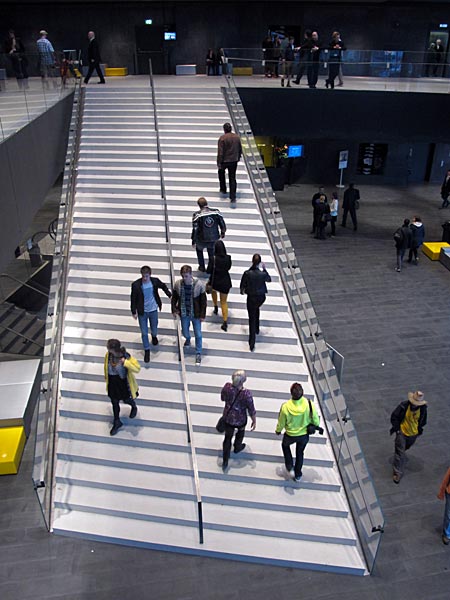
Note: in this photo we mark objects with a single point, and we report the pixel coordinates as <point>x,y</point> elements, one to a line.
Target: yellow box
<point>242,70</point>
<point>12,442</point>
<point>433,249</point>
<point>116,71</point>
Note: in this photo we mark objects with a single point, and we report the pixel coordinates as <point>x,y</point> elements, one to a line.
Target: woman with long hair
<point>220,280</point>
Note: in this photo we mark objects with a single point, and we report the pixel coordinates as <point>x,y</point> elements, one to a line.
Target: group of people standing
<point>216,62</point>
<point>304,58</point>
<point>324,212</point>
<point>410,236</point>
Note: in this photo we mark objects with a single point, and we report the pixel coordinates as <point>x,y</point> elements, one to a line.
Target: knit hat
<point>416,398</point>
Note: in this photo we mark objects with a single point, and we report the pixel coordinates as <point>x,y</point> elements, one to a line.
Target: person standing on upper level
<point>229,152</point>
<point>46,57</point>
<point>94,59</point>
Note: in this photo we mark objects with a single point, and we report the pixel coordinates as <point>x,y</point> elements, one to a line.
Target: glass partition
<point>360,491</point>
<point>46,425</point>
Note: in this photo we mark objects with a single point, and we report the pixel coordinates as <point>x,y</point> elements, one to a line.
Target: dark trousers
<point>116,406</point>
<point>333,72</point>
<point>300,442</point>
<point>445,201</point>
<point>229,432</point>
<point>320,229</point>
<point>313,73</point>
<point>400,255</point>
<point>199,247</point>
<point>231,166</point>
<point>254,303</point>
<point>300,71</point>
<point>402,444</point>
<point>94,66</point>
<point>333,225</point>
<point>413,252</point>
<point>352,212</point>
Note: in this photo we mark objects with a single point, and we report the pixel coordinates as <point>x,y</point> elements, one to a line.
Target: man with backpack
<point>402,239</point>
<point>206,224</point>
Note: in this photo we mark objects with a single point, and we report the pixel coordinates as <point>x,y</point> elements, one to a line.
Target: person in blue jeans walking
<point>145,303</point>
<point>444,494</point>
<point>189,303</point>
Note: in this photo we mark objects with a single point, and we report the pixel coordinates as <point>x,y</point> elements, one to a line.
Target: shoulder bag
<point>221,422</point>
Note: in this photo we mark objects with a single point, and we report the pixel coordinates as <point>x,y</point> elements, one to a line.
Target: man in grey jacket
<point>229,152</point>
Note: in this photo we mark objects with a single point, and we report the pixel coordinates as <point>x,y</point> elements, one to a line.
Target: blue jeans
<point>143,324</point>
<point>446,527</point>
<point>197,325</point>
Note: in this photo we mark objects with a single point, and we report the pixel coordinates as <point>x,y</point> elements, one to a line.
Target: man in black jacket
<point>403,241</point>
<point>408,421</point>
<point>253,283</point>
<point>145,302</point>
<point>94,59</point>
<point>445,190</point>
<point>351,200</point>
<point>207,227</point>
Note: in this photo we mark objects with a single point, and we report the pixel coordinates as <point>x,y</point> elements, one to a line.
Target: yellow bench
<point>242,70</point>
<point>12,442</point>
<point>433,249</point>
<point>116,71</point>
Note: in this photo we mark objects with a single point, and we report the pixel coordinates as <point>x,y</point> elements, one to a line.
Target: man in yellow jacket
<point>295,416</point>
<point>120,368</point>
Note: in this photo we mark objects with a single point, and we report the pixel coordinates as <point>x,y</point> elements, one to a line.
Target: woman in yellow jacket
<point>295,416</point>
<point>120,368</point>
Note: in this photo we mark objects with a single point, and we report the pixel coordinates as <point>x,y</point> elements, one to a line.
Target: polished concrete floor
<point>394,331</point>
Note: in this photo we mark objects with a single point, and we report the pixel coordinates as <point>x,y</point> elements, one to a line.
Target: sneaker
<point>445,539</point>
<point>222,191</point>
<point>115,428</point>
<point>224,465</point>
<point>296,82</point>
<point>155,340</point>
<point>187,343</point>
<point>224,326</point>
<point>147,356</point>
<point>133,411</point>
<point>291,473</point>
<point>252,348</point>
<point>216,310</point>
<point>396,478</point>
<point>297,478</point>
<point>198,359</point>
<point>397,269</point>
<point>236,451</point>
<point>202,269</point>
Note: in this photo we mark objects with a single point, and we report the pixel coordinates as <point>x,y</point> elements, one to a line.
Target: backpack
<point>399,235</point>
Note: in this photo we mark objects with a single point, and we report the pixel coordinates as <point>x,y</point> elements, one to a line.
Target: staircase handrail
<point>21,335</point>
<point>190,429</point>
<point>254,164</point>
<point>50,391</point>
<point>24,283</point>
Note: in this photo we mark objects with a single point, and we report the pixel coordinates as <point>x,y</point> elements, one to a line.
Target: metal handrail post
<point>189,425</point>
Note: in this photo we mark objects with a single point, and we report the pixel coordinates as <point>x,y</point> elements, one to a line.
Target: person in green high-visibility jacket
<point>294,417</point>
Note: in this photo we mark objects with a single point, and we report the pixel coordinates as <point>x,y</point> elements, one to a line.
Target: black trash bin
<point>446,232</point>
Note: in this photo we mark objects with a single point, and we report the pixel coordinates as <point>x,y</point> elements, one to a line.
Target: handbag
<point>311,428</point>
<point>221,423</point>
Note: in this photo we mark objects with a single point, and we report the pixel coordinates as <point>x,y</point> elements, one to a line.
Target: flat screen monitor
<point>170,36</point>
<point>295,151</point>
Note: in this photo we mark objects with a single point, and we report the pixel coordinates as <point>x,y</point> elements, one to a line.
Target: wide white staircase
<point>138,487</point>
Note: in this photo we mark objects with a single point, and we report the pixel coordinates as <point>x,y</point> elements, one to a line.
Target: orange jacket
<point>445,485</point>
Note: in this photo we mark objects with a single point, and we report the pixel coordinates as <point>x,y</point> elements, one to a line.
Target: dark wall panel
<point>30,162</point>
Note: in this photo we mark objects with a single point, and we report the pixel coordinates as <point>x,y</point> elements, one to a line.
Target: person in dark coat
<point>303,53</point>
<point>238,403</point>
<point>351,199</point>
<point>253,283</point>
<point>267,47</point>
<point>312,47</point>
<point>211,64</point>
<point>145,303</point>
<point>445,190</point>
<point>417,238</point>
<point>314,202</point>
<point>220,280</point>
<point>94,59</point>
<point>322,216</point>
<point>336,48</point>
<point>15,50</point>
<point>408,421</point>
<point>402,238</point>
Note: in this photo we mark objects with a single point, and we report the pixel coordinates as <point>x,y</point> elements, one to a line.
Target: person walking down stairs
<point>121,385</point>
